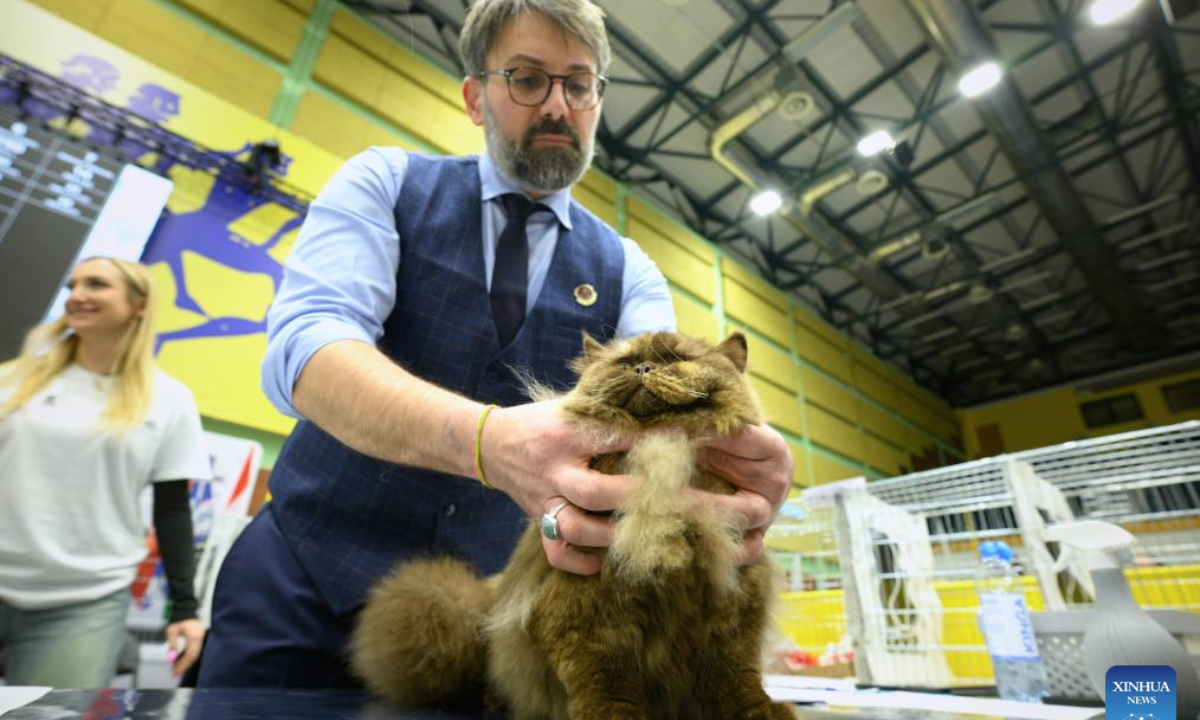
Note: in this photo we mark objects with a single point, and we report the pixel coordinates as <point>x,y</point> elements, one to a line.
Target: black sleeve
<point>176,544</point>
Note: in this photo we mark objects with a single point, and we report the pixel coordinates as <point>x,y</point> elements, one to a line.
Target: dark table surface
<point>115,704</point>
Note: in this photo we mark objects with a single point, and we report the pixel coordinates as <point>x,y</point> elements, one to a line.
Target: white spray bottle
<point>1121,633</point>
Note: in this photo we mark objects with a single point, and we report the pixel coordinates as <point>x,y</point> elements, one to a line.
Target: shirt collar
<point>495,183</point>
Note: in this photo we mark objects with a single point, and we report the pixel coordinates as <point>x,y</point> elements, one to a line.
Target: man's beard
<point>543,170</point>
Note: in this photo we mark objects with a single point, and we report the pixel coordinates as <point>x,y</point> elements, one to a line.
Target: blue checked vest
<point>348,517</point>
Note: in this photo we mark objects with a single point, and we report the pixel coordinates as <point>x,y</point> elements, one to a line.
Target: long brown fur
<point>670,629</point>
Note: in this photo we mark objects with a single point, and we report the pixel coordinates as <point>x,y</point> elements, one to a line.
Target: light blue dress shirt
<point>340,278</point>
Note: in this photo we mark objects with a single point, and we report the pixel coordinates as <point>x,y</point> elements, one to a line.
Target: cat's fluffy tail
<point>419,640</point>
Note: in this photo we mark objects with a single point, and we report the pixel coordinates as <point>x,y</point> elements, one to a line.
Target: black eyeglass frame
<point>508,73</point>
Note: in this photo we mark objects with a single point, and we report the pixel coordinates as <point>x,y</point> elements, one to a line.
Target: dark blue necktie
<point>510,273</point>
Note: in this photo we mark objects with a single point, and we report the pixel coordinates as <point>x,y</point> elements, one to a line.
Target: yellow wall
<point>311,73</point>
<point>1053,416</point>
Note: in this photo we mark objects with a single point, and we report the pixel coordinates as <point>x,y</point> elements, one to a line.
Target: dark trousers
<point>270,626</point>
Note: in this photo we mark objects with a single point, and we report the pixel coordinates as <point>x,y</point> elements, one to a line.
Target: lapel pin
<point>585,295</point>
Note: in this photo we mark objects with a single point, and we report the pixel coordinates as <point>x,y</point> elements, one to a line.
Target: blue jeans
<point>73,646</point>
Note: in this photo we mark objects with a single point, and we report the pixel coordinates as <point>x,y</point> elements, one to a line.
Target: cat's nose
<point>642,369</point>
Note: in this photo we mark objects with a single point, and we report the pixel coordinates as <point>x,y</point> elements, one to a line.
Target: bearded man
<point>416,286</point>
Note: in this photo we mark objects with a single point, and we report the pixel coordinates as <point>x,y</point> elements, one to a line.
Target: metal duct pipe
<point>906,240</point>
<point>955,28</point>
<point>896,243</point>
<point>737,125</point>
<point>826,237</point>
<point>795,51</point>
<point>813,194</point>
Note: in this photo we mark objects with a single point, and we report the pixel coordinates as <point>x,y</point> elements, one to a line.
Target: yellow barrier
<point>814,619</point>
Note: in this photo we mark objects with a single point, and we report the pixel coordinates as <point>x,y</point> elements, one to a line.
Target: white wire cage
<point>905,549</point>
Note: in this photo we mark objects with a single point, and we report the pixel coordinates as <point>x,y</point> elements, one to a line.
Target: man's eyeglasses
<point>531,86</point>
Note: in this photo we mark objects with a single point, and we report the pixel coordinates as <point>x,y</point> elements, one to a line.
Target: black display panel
<point>52,189</point>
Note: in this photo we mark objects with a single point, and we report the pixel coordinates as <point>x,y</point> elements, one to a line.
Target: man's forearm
<point>355,393</point>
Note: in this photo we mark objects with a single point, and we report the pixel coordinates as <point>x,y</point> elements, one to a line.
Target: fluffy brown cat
<point>670,629</point>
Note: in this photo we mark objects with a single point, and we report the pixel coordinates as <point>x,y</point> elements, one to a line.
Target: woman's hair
<point>51,347</point>
<point>487,18</point>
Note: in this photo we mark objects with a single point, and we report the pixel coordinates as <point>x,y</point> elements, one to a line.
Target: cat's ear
<point>591,347</point>
<point>734,348</point>
<point>591,351</point>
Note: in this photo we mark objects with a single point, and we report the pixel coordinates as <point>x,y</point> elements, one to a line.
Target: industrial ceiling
<point>1041,232</point>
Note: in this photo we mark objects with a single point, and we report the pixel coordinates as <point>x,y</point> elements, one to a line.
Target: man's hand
<point>532,454</point>
<point>758,463</point>
<point>192,631</point>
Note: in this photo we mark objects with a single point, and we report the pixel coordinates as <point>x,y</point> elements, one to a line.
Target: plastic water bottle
<point>1007,628</point>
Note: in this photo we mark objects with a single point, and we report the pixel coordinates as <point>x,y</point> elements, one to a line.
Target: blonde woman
<point>86,421</point>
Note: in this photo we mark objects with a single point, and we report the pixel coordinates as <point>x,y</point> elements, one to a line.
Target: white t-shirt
<point>71,529</point>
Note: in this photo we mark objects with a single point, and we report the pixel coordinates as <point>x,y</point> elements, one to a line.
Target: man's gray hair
<point>487,18</point>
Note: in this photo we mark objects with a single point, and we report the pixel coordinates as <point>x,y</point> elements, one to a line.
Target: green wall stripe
<point>621,210</point>
<point>800,398</point>
<point>299,73</point>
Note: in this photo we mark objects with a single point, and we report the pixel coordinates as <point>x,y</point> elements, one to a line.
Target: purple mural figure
<point>91,73</point>
<point>97,76</point>
<point>207,232</point>
<point>154,102</point>
<point>87,72</point>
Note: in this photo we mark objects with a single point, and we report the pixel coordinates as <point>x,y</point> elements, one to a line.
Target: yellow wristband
<point>479,446</point>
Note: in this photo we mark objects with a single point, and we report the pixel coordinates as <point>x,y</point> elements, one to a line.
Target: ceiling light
<point>979,293</point>
<point>1055,317</point>
<point>972,362</point>
<point>923,317</point>
<point>874,143</point>
<point>1136,242</point>
<point>1040,301</point>
<point>979,79</point>
<point>1106,12</point>
<point>766,202</point>
<point>985,201</point>
<point>898,301</point>
<point>1029,279</point>
<point>1005,260</point>
<point>1014,332</point>
<point>1182,322</point>
<point>1178,280</point>
<point>1139,210</point>
<point>940,335</point>
<point>1160,261</point>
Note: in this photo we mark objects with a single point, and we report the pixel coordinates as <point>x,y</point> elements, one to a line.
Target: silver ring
<point>550,522</point>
